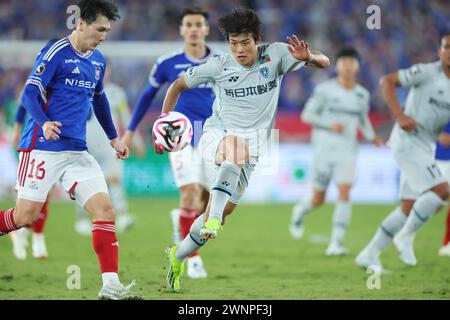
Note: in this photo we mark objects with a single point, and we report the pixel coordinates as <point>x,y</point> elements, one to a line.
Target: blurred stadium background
<point>409,34</point>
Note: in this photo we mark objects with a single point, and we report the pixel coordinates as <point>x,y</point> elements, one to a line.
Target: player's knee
<point>442,191</point>
<point>105,213</point>
<point>236,151</point>
<point>317,200</point>
<point>188,194</point>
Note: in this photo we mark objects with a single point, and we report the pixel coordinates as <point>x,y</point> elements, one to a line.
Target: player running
<point>423,187</point>
<point>337,108</point>
<point>66,81</point>
<point>192,176</point>
<point>247,85</point>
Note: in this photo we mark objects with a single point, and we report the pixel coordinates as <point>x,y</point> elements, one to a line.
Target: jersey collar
<point>79,53</point>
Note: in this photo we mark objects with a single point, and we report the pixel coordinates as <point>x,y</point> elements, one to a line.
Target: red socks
<point>38,226</point>
<point>187,218</point>
<point>447,229</point>
<point>106,245</point>
<point>7,221</point>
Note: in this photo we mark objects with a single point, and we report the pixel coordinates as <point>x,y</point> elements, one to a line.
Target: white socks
<point>423,209</point>
<point>300,209</point>
<point>224,186</point>
<point>192,242</point>
<point>386,232</point>
<point>341,218</point>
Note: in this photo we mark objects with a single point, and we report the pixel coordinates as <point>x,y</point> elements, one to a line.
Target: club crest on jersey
<point>190,72</point>
<point>265,72</point>
<point>97,73</point>
<point>40,69</point>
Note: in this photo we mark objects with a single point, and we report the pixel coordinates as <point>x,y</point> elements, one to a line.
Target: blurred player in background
<point>98,146</point>
<point>423,187</point>
<point>66,81</point>
<point>191,175</point>
<point>443,161</point>
<point>337,108</point>
<point>247,86</point>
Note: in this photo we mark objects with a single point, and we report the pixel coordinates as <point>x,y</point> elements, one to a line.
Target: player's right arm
<point>413,76</point>
<point>156,78</point>
<point>35,93</point>
<point>20,119</point>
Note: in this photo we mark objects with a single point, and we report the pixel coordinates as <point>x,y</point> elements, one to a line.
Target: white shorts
<point>40,170</point>
<point>325,170</point>
<point>209,142</point>
<point>188,167</point>
<point>418,171</point>
<point>444,166</point>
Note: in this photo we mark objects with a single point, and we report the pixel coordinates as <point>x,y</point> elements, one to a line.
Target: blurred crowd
<point>409,33</point>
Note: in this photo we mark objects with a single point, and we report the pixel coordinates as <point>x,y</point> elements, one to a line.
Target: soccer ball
<point>172,131</point>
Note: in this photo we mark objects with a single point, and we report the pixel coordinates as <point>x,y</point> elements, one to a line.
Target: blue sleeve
<point>20,115</point>
<point>31,102</point>
<point>44,69</point>
<point>447,128</point>
<point>142,106</point>
<point>103,114</point>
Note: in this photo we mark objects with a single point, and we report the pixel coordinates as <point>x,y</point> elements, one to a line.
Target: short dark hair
<point>348,52</point>
<point>241,20</point>
<point>91,9</point>
<point>194,10</point>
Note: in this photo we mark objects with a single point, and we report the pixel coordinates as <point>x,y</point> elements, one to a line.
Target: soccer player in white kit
<point>247,85</point>
<point>423,188</point>
<point>99,148</point>
<point>337,108</point>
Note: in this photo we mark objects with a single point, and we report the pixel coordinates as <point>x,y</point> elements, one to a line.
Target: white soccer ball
<point>172,131</point>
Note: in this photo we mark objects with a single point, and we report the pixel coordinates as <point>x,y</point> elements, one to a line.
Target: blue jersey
<point>195,103</point>
<point>67,80</point>
<point>442,152</point>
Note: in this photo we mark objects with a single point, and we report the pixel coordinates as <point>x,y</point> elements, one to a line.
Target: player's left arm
<point>299,49</point>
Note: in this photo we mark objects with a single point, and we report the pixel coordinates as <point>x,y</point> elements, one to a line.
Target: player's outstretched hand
<point>299,49</point>
<point>406,122</point>
<point>51,130</point>
<point>158,149</point>
<point>122,150</point>
<point>378,141</point>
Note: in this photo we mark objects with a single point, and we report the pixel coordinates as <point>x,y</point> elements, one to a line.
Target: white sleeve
<point>287,62</point>
<point>364,122</point>
<point>413,76</point>
<point>312,113</point>
<point>203,73</point>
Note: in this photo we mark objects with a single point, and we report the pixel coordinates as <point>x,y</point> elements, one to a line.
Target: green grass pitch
<point>253,258</point>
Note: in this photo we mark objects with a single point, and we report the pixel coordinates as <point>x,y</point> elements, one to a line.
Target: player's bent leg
<point>370,255</point>
<point>93,196</point>
<point>424,207</point>
<point>232,155</point>
<point>296,227</point>
<point>341,218</point>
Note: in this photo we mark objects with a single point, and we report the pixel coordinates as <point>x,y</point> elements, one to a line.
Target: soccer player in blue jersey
<point>191,175</point>
<point>65,83</point>
<point>443,161</point>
